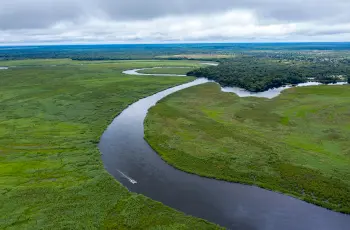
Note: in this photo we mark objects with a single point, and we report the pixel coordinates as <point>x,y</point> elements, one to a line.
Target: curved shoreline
<point>136,72</point>
<point>130,159</point>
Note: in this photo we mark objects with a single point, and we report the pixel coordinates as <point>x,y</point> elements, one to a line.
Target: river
<point>129,158</point>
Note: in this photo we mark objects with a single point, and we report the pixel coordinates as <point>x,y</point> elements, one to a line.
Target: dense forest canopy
<point>260,74</point>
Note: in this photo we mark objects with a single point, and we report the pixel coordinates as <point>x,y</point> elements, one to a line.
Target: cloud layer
<point>81,21</point>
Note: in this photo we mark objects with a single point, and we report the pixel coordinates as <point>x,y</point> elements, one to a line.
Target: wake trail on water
<point>128,178</point>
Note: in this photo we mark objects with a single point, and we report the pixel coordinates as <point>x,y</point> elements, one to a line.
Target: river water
<point>271,93</point>
<point>136,71</point>
<point>129,158</point>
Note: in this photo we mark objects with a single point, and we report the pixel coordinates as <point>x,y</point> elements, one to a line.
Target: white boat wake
<point>128,178</point>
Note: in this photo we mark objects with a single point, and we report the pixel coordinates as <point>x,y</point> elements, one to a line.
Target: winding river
<point>136,72</point>
<point>128,157</point>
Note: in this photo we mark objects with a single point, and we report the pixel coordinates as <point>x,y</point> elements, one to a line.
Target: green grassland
<point>297,143</point>
<point>202,56</point>
<point>182,71</point>
<point>125,63</point>
<point>51,176</point>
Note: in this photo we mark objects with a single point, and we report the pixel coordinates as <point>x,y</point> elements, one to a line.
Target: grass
<point>297,143</point>
<point>197,56</point>
<point>182,71</point>
<point>51,174</point>
<point>126,64</point>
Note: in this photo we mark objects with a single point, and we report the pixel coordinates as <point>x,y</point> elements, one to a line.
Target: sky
<point>168,21</point>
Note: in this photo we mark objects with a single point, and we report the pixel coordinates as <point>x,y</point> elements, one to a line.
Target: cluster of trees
<point>260,74</point>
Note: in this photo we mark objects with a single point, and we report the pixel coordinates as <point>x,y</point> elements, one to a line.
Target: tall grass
<point>297,143</point>
<point>51,176</point>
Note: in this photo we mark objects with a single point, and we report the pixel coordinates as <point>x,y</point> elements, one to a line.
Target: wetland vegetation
<point>54,110</point>
<point>176,71</point>
<point>51,174</point>
<point>297,143</point>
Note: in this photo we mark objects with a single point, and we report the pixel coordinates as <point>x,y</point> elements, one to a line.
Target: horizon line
<point>165,43</point>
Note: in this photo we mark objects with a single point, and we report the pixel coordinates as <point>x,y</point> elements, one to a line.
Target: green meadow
<point>182,71</point>
<point>53,113</point>
<point>297,143</point>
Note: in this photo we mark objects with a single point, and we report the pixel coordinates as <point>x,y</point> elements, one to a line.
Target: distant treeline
<point>260,74</point>
<point>105,52</point>
<point>289,51</point>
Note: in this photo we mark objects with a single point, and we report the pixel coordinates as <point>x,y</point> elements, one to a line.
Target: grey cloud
<point>18,14</point>
<point>137,20</point>
<point>287,10</point>
<point>324,30</point>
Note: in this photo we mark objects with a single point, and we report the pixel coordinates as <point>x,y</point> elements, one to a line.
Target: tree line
<point>261,74</point>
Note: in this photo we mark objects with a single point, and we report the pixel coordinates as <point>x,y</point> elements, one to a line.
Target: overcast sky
<point>144,21</point>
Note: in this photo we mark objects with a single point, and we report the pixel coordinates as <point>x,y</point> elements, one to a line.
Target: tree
<point>260,74</point>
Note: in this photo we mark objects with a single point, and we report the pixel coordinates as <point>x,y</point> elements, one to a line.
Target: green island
<point>296,143</point>
<point>53,113</point>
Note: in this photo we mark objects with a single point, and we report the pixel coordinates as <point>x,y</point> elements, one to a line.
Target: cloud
<point>79,21</point>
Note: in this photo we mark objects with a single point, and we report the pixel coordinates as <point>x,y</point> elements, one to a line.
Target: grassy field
<point>297,143</point>
<point>182,71</point>
<point>51,176</point>
<point>125,63</point>
<point>198,56</point>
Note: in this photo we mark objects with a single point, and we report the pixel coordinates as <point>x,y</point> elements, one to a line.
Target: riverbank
<point>290,144</point>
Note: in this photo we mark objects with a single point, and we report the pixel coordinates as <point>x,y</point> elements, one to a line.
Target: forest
<point>260,74</point>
